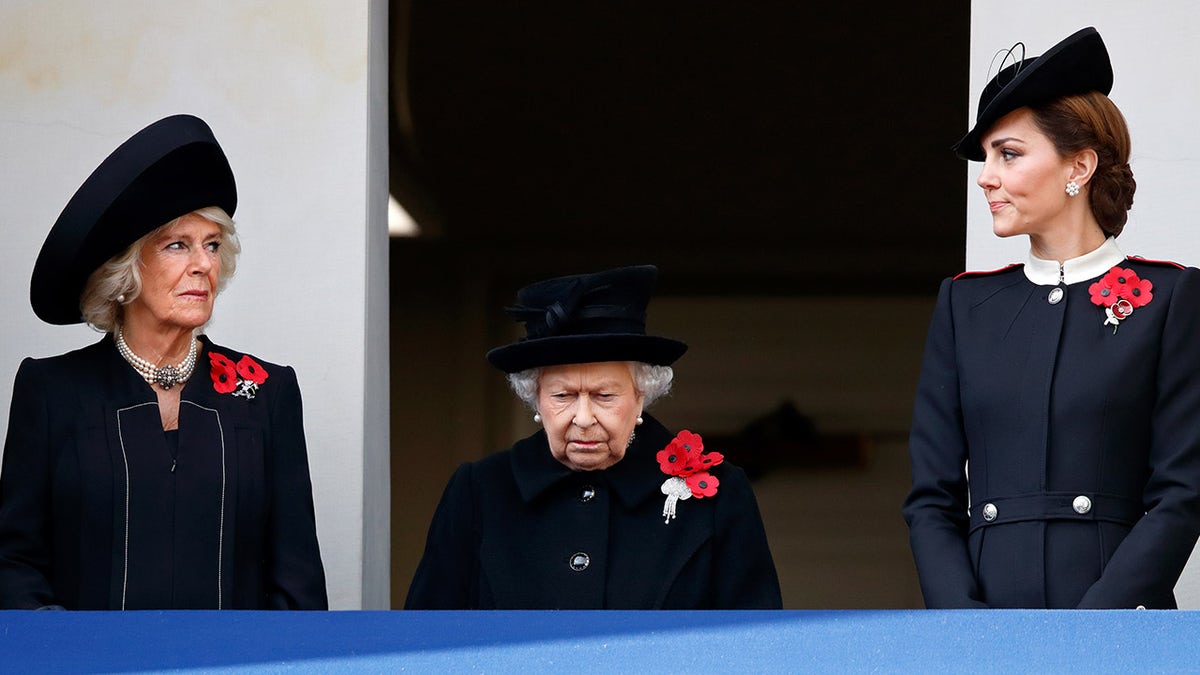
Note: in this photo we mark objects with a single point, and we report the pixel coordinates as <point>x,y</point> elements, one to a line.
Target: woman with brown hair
<point>1055,444</point>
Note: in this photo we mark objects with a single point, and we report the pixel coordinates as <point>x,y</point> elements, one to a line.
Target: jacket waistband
<point>1056,506</point>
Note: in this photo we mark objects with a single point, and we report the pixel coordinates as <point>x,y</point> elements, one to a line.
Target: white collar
<point>1086,266</point>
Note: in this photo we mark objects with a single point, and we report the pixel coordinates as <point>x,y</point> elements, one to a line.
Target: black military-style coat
<point>96,513</point>
<point>1082,445</point>
<point>519,530</point>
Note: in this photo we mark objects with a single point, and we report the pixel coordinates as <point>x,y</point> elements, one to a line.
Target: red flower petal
<point>671,459</point>
<point>224,377</point>
<point>1099,297</point>
<point>249,369</point>
<point>219,358</point>
<point>691,442</point>
<point>1140,293</point>
<point>702,484</point>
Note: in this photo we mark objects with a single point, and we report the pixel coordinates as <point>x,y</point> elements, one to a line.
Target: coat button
<point>1056,296</point>
<point>580,562</point>
<point>587,493</point>
<point>1081,505</point>
<point>989,512</point>
<point>1140,607</point>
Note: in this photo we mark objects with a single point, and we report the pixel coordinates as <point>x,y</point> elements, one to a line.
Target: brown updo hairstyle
<point>1075,123</point>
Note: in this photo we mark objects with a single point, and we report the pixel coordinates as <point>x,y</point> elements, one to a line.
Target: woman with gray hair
<point>127,483</point>
<point>603,508</point>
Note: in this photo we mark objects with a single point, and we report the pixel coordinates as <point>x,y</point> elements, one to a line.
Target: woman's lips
<point>996,206</point>
<point>195,295</point>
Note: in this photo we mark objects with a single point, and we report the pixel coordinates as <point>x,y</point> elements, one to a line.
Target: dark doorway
<point>787,167</point>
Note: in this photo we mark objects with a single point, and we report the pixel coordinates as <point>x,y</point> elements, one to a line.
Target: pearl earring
<point>121,298</point>
<point>537,418</point>
<point>1072,188</point>
<point>639,420</point>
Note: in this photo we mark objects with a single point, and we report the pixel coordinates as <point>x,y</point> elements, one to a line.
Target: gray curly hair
<point>651,382</point>
<point>122,273</point>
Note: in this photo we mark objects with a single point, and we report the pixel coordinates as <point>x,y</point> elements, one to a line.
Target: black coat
<point>95,513</point>
<point>1049,406</point>
<point>509,526</point>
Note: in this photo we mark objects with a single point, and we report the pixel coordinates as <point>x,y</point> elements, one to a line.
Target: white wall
<point>293,90</point>
<point>1153,49</point>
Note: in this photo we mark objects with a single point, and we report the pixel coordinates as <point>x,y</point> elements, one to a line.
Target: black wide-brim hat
<point>1077,65</point>
<point>166,170</point>
<point>586,318</point>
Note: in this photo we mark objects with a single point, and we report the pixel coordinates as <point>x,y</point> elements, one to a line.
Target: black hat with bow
<point>164,171</point>
<point>586,318</point>
<point>1077,65</point>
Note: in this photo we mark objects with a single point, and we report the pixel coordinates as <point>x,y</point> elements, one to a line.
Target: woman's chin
<point>590,461</point>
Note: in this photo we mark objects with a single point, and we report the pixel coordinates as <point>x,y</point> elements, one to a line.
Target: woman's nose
<point>201,261</point>
<point>583,413</point>
<point>987,177</point>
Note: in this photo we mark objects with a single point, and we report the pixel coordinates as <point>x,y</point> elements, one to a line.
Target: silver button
<point>1056,296</point>
<point>580,562</point>
<point>1081,505</point>
<point>1140,607</point>
<point>587,494</point>
<point>989,512</point>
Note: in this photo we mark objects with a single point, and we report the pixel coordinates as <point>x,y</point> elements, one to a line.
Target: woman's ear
<point>1083,166</point>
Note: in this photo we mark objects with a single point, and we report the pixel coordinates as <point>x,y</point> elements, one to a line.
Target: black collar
<point>634,479</point>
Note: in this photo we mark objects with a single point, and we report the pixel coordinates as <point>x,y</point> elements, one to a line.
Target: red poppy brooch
<point>1120,292</point>
<point>241,379</point>
<point>685,461</point>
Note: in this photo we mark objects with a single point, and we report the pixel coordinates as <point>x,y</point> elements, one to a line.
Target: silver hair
<point>122,273</point>
<point>652,382</point>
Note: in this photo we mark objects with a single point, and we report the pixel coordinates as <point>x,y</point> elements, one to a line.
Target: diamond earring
<point>1072,188</point>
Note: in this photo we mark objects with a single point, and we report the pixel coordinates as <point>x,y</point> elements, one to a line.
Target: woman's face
<point>589,411</point>
<point>1023,177</point>
<point>180,265</point>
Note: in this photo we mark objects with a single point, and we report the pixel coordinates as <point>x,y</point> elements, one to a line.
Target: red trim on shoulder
<point>984,273</point>
<point>1168,263</point>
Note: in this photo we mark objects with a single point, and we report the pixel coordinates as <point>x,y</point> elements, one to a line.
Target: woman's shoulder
<point>974,285</point>
<point>1167,269</point>
<point>236,355</point>
<point>72,362</point>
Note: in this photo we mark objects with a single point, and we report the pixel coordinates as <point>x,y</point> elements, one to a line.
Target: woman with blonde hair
<point>153,469</point>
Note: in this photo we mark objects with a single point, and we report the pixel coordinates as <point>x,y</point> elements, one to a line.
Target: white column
<point>294,91</point>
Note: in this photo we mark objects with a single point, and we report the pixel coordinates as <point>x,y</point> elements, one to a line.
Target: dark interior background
<point>787,167</point>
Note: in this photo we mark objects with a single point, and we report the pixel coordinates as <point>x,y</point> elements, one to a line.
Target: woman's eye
<point>1008,154</point>
<point>175,246</point>
<point>213,246</point>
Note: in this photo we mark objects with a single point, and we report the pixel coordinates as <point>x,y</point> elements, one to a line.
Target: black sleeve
<point>936,507</point>
<point>447,577</point>
<point>744,572</point>
<point>295,576</point>
<point>25,512</point>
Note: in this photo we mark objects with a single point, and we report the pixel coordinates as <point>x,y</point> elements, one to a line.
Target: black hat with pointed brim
<point>1077,65</point>
<point>586,318</point>
<point>165,171</point>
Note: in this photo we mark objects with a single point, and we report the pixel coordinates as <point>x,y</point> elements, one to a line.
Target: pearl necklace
<point>166,376</point>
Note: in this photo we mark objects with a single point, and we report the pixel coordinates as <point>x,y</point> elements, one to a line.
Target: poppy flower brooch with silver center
<point>685,461</point>
<point>1119,292</point>
<point>241,379</point>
